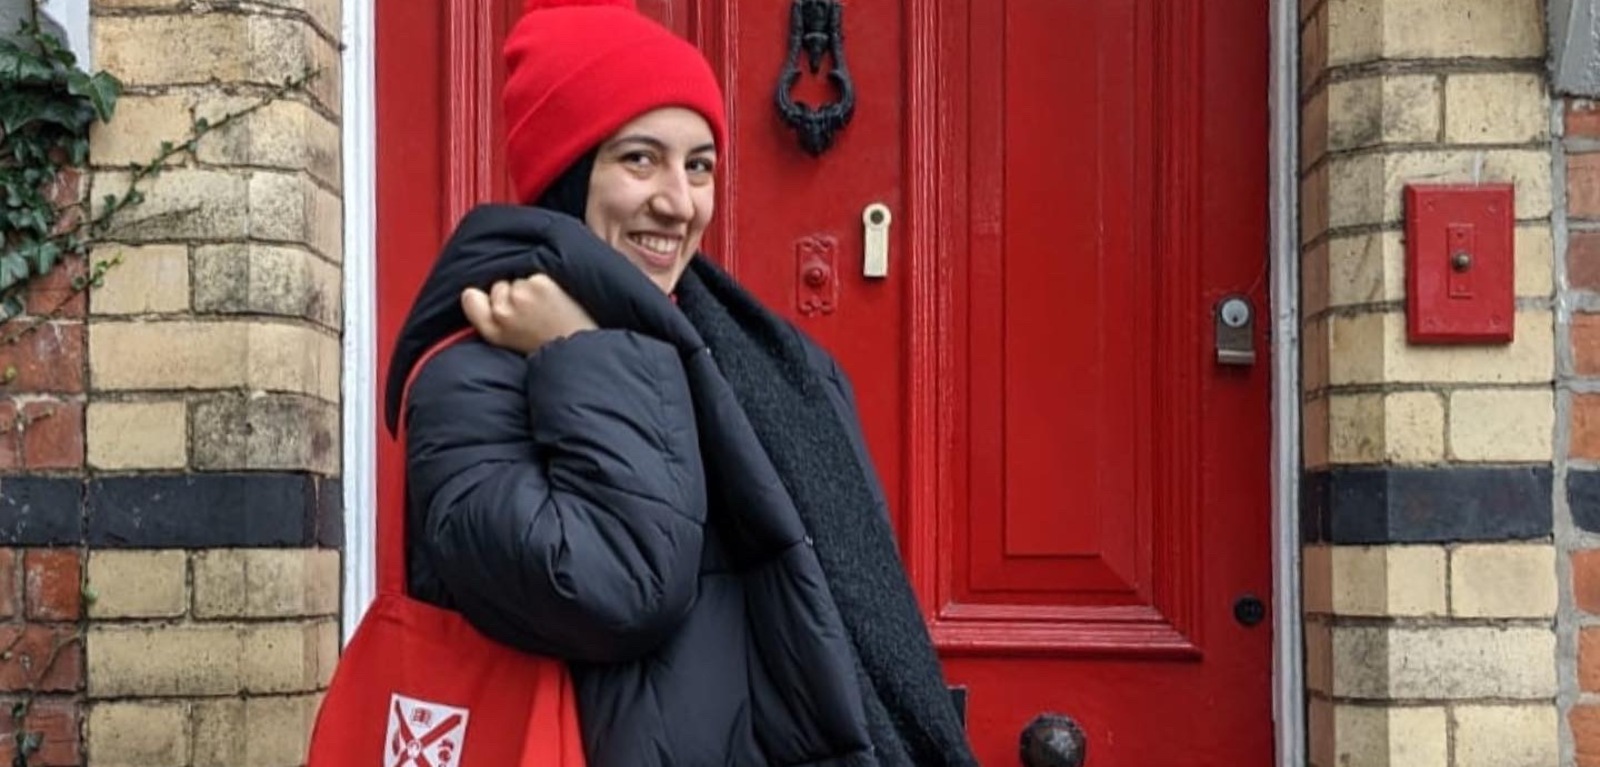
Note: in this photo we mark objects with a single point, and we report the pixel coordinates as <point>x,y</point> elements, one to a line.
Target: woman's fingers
<point>500,300</point>
<point>476,305</point>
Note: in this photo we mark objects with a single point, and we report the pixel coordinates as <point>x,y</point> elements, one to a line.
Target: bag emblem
<point>423,734</point>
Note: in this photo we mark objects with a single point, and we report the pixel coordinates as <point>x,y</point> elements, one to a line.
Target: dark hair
<point>569,193</point>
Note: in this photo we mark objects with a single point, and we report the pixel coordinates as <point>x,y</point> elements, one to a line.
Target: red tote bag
<point>420,687</point>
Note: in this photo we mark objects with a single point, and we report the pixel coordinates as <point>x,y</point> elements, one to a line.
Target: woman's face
<point>653,189</point>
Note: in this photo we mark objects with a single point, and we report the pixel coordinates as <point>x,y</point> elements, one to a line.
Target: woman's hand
<point>525,314</point>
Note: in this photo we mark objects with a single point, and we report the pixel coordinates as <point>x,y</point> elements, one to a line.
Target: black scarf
<point>909,711</point>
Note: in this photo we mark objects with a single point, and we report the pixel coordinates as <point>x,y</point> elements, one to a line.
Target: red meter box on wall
<point>1460,276</point>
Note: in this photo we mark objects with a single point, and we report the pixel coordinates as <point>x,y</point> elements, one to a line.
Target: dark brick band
<point>41,511</point>
<point>1583,496</point>
<point>1372,505</point>
<point>173,511</point>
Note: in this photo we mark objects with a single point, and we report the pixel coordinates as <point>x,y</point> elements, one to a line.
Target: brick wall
<point>172,504</point>
<point>1578,522</point>
<point>1430,572</point>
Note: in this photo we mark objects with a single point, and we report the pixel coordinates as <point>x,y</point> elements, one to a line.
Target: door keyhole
<point>1249,610</point>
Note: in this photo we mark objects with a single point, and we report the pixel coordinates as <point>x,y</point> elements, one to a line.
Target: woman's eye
<point>701,165</point>
<point>638,159</point>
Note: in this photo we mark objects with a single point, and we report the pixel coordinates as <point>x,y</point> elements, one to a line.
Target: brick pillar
<point>211,515</point>
<point>1578,528</point>
<point>1430,574</point>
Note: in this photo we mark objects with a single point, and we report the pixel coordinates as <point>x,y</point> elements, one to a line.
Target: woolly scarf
<point>911,717</point>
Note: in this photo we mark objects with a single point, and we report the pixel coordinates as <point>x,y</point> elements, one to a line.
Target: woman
<point>702,540</point>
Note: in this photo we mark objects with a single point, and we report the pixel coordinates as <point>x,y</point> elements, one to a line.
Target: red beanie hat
<point>578,70</point>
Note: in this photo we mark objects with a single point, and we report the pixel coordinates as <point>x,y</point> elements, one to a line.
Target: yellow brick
<point>1372,348</point>
<point>182,203</point>
<point>1366,268</point>
<point>1388,580</point>
<point>130,4</point>
<point>152,279</point>
<point>210,659</point>
<point>1507,736</point>
<point>246,278</point>
<point>1366,189</point>
<point>1505,580</point>
<point>288,657</point>
<point>1380,736</point>
<point>1381,110</point>
<point>292,209</point>
<point>1355,428</point>
<point>139,734</point>
<point>1501,424</point>
<point>213,355</point>
<point>294,359</point>
<point>168,355</point>
<point>141,124</point>
<point>200,48</point>
<point>1496,109</point>
<point>161,661</point>
<point>266,583</point>
<point>324,12</point>
<point>1420,29</point>
<point>1534,255</point>
<point>137,435</point>
<point>138,584</point>
<point>250,431</point>
<point>1356,348</point>
<point>253,732</point>
<point>1413,427</point>
<point>1355,31</point>
<point>1444,663</point>
<point>286,134</point>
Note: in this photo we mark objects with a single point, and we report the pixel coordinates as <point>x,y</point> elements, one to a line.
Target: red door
<point>1080,487</point>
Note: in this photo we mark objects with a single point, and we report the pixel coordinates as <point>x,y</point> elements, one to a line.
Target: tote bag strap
<point>392,516</point>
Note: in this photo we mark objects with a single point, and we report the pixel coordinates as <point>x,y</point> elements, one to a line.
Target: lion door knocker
<point>816,27</point>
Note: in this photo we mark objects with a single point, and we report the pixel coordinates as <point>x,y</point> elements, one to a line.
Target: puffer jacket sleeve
<point>562,494</point>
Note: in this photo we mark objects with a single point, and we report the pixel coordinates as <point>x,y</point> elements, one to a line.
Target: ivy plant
<point>47,106</point>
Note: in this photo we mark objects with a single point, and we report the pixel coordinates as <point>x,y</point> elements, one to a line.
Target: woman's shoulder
<point>466,364</point>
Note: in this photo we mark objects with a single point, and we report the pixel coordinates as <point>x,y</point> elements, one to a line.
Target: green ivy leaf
<point>11,307</point>
<point>22,65</point>
<point>45,257</point>
<point>102,90</point>
<point>14,266</point>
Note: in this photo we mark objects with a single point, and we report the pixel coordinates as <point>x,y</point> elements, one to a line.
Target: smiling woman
<point>704,543</point>
<point>653,190</point>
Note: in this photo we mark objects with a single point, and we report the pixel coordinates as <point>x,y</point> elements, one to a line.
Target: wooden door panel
<point>1074,526</point>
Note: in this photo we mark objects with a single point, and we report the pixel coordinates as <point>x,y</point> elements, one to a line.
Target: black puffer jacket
<point>559,501</point>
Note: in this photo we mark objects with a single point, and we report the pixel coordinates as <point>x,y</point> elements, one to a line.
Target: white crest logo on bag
<point>423,734</point>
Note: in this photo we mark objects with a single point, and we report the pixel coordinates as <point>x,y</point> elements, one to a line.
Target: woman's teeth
<point>665,246</point>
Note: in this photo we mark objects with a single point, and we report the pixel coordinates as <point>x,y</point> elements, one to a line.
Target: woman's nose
<point>672,199</point>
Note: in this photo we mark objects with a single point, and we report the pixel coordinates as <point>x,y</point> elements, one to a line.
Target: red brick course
<point>53,590</point>
<point>55,720</point>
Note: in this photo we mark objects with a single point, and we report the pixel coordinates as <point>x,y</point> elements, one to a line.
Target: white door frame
<point>361,375</point>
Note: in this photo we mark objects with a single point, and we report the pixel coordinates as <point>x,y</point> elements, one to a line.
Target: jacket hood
<point>501,242</point>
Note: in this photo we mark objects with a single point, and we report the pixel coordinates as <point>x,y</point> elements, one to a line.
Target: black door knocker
<point>817,27</point>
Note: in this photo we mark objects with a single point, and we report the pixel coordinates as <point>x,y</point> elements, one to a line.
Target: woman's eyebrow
<point>657,144</point>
